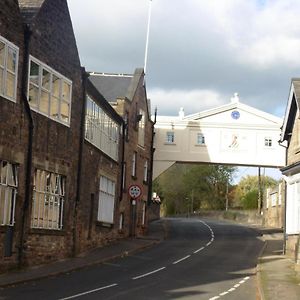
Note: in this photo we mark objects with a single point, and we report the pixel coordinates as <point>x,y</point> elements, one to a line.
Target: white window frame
<point>48,200</point>
<point>268,142</point>
<point>6,71</point>
<point>50,92</point>
<point>134,163</point>
<point>200,138</point>
<point>141,132</point>
<point>170,137</point>
<point>124,176</point>
<point>101,130</point>
<point>146,171</point>
<point>106,204</point>
<point>8,192</point>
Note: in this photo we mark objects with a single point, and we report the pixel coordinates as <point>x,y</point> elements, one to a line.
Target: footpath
<point>277,277</point>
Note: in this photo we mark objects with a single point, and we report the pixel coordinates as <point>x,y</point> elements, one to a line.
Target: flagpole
<point>147,38</point>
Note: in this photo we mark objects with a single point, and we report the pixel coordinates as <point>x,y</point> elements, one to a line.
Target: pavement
<point>277,277</point>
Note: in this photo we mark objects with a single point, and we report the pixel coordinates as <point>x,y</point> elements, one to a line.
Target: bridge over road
<point>233,134</point>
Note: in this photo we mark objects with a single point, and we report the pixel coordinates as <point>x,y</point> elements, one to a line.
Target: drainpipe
<point>285,198</point>
<point>124,125</point>
<point>28,186</point>
<point>84,77</point>
<point>151,160</point>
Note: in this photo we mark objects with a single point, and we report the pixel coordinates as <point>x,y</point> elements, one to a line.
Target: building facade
<point>66,156</point>
<point>291,172</point>
<point>127,94</point>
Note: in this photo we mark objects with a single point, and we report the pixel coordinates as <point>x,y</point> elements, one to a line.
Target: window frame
<point>9,189</point>
<point>107,192</point>
<point>146,171</point>
<point>44,197</point>
<point>3,86</point>
<point>101,130</point>
<point>141,129</point>
<point>200,139</point>
<point>50,92</point>
<point>268,142</point>
<point>134,164</point>
<point>170,137</point>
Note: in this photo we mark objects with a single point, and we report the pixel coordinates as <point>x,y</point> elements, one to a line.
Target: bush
<point>250,200</point>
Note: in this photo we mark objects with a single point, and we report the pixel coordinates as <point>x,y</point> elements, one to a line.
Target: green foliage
<point>188,188</point>
<point>247,190</point>
<point>250,199</point>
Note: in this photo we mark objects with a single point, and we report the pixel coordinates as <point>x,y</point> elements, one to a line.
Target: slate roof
<point>111,86</point>
<point>291,110</point>
<point>29,9</point>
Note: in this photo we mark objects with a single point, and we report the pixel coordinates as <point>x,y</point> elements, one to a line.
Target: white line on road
<point>199,250</point>
<point>147,274</point>
<point>231,289</point>
<point>181,259</point>
<point>89,292</point>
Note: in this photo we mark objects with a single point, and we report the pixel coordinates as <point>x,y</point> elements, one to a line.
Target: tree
<point>246,195</point>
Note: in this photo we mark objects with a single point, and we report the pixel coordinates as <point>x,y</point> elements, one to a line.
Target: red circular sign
<point>135,191</point>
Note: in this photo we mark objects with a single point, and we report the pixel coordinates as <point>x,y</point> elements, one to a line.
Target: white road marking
<point>149,273</point>
<point>231,289</point>
<point>181,259</point>
<point>199,250</point>
<point>89,292</point>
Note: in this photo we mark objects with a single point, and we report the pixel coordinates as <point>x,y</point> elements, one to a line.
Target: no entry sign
<point>135,191</point>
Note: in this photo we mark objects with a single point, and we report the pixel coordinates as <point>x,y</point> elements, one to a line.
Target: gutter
<point>28,184</point>
<point>285,198</point>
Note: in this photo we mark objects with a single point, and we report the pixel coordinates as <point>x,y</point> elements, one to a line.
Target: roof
<point>96,95</point>
<point>111,86</point>
<point>29,9</point>
<point>291,109</point>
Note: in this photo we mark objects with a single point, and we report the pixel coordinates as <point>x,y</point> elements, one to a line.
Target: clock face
<point>235,115</point>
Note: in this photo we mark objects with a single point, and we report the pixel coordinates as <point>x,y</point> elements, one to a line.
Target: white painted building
<point>234,134</point>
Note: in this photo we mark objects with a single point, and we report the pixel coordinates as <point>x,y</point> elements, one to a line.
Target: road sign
<point>135,191</point>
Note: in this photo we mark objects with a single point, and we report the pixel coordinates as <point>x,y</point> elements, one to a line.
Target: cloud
<point>170,101</point>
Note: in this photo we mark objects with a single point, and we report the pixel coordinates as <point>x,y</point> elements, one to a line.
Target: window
<point>124,176</point>
<point>49,92</point>
<point>121,221</point>
<point>268,142</point>
<point>200,139</point>
<point>9,54</point>
<point>101,130</point>
<point>8,192</point>
<point>146,171</point>
<point>141,133</point>
<point>170,138</point>
<point>126,121</point>
<point>133,170</point>
<point>106,200</point>
<point>144,213</point>
<point>48,200</point>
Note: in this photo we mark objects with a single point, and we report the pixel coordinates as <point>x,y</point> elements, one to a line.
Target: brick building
<point>291,173</point>
<point>127,94</point>
<point>13,132</point>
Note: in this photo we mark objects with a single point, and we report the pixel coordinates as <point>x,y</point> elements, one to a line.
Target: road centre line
<point>181,259</point>
<point>231,289</point>
<point>147,274</point>
<point>89,292</point>
<point>199,250</point>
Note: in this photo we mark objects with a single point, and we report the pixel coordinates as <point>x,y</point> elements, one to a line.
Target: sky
<point>200,52</point>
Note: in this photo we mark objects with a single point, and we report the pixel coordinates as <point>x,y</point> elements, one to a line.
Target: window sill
<point>166,143</point>
<point>134,177</point>
<point>104,225</point>
<point>200,145</point>
<point>46,231</point>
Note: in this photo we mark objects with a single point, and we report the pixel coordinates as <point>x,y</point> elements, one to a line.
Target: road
<point>200,259</point>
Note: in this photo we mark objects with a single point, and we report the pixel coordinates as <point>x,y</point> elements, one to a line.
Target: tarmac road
<point>200,259</point>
